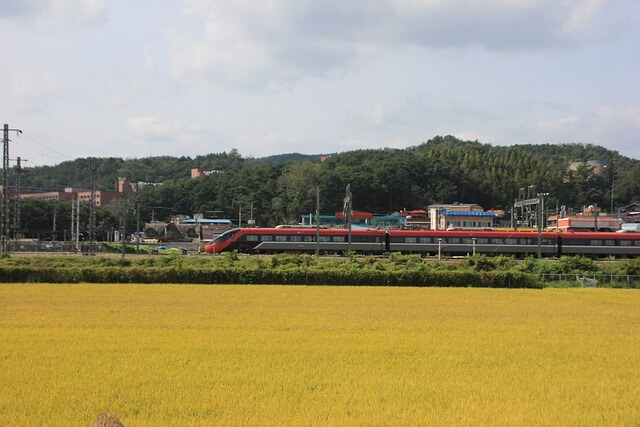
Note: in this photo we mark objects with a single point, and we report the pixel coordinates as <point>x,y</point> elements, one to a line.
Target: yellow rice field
<point>167,354</point>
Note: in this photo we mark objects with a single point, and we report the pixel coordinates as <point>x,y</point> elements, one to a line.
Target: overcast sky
<point>187,77</point>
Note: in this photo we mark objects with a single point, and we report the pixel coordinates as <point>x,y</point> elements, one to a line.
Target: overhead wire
<point>26,147</point>
<point>45,146</point>
<point>69,143</point>
<point>35,138</point>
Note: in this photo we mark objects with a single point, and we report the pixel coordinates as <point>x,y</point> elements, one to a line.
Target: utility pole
<point>613,180</point>
<point>5,188</point>
<point>124,223</point>
<point>348,212</point>
<point>73,221</point>
<point>16,215</point>
<point>318,221</point>
<point>540,221</point>
<point>92,207</point>
<point>54,236</point>
<point>77,224</point>
<point>153,211</point>
<point>251,222</point>
<point>137,225</point>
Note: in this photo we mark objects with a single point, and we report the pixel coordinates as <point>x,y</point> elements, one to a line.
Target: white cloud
<point>150,129</point>
<point>582,15</point>
<point>286,39</point>
<point>627,116</point>
<point>378,115</point>
<point>224,50</point>
<point>27,89</point>
<point>33,83</point>
<point>55,13</point>
<point>558,124</point>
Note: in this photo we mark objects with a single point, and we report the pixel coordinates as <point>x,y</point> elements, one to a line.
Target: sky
<point>144,78</point>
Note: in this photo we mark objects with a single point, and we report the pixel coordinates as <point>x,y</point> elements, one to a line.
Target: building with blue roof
<point>466,220</point>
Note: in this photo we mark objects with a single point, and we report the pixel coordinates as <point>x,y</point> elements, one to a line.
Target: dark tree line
<point>441,170</point>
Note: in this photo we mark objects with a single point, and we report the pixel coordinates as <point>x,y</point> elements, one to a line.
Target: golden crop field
<point>183,354</point>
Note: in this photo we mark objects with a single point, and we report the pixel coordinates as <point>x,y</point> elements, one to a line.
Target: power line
<point>45,146</point>
<point>69,142</point>
<point>38,152</point>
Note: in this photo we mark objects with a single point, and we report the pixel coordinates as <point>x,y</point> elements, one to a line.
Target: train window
<point>266,238</point>
<point>482,240</point>
<point>425,240</point>
<point>280,238</point>
<point>309,238</point>
<point>609,242</point>
<point>411,239</point>
<point>453,240</point>
<point>637,242</point>
<point>469,224</point>
<point>296,238</point>
<point>496,241</point>
<point>325,238</point>
<point>512,241</point>
<point>625,242</point>
<point>467,241</point>
<point>596,242</point>
<point>252,238</point>
<point>338,238</point>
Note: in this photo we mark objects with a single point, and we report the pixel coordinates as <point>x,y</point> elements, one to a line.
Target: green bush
<point>479,262</point>
<point>505,262</point>
<point>631,266</point>
<point>576,264</point>
<point>400,270</point>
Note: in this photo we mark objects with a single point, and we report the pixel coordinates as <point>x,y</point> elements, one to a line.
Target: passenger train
<point>459,242</point>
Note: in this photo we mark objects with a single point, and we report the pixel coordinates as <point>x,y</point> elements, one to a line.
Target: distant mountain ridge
<point>292,157</point>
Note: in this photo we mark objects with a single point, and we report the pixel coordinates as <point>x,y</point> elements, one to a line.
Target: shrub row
<point>300,275</point>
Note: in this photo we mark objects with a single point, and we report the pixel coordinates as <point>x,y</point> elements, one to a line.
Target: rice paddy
<point>183,354</point>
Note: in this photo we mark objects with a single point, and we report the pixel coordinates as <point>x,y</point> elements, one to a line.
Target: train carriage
<point>273,240</point>
<point>462,242</point>
<point>453,242</point>
<point>601,243</point>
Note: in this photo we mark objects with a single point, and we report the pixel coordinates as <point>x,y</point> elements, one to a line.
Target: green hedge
<point>301,275</point>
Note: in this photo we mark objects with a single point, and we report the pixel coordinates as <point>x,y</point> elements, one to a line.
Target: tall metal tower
<point>5,189</point>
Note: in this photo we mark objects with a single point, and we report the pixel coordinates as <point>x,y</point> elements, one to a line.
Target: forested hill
<point>158,169</point>
<point>291,157</point>
<point>443,169</point>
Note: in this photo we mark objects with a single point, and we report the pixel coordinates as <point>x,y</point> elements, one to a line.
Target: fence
<point>594,280</point>
<point>86,247</point>
<point>46,246</point>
